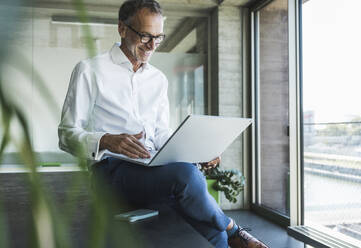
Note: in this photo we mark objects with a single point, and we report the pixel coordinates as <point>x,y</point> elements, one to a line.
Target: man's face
<point>146,23</point>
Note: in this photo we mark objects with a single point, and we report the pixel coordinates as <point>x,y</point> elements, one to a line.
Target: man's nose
<point>151,44</point>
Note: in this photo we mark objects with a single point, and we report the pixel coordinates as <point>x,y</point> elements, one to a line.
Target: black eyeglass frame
<point>147,36</point>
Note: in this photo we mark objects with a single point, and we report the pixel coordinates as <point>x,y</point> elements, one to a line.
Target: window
<point>271,106</point>
<point>332,115</point>
<point>321,145</point>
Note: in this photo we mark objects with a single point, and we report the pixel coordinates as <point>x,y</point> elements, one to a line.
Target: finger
<point>218,160</point>
<point>133,148</point>
<point>214,162</point>
<point>127,150</point>
<point>211,166</point>
<point>140,149</point>
<point>136,141</point>
<point>207,165</point>
<point>129,153</point>
<point>136,149</point>
<point>138,135</point>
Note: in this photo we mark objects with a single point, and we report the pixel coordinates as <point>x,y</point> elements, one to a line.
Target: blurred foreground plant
<point>50,226</point>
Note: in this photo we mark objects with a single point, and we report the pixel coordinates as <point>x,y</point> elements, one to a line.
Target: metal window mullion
<point>209,65</point>
<point>294,114</point>
<point>256,154</point>
<point>247,148</point>
<point>300,77</point>
<point>258,109</point>
<point>254,178</point>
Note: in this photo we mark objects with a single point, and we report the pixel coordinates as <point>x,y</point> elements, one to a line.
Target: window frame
<point>295,116</point>
<point>315,236</point>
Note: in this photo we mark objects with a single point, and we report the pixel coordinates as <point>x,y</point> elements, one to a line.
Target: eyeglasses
<point>146,38</point>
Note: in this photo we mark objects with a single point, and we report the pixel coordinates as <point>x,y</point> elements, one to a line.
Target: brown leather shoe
<point>242,239</point>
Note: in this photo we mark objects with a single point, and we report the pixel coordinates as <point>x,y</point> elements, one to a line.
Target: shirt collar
<point>120,58</point>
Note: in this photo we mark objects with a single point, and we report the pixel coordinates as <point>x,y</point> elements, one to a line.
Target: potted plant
<point>230,182</point>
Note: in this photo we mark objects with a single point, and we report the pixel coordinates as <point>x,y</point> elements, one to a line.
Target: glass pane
<point>185,84</point>
<point>51,42</point>
<point>273,106</point>
<point>16,67</point>
<point>332,115</point>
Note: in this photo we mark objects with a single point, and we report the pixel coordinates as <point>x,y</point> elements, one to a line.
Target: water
<point>335,203</point>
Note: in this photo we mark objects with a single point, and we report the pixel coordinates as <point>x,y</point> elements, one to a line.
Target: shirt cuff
<point>93,146</point>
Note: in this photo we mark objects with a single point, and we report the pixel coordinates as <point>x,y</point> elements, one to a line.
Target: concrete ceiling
<point>174,7</point>
<point>182,16</point>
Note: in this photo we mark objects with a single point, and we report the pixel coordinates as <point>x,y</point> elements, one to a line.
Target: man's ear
<point>121,29</point>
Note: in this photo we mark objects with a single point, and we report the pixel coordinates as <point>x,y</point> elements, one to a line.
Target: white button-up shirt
<point>105,95</point>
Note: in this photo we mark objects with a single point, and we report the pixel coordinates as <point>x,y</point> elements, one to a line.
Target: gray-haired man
<point>118,101</point>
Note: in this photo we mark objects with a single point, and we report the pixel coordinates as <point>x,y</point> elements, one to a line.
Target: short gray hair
<point>130,7</point>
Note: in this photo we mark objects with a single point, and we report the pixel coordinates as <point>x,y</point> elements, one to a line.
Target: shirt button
<point>93,154</point>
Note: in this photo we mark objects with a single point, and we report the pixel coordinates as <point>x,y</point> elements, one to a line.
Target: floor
<point>271,234</point>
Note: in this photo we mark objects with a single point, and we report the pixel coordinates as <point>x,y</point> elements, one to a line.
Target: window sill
<point>321,237</point>
<point>19,168</point>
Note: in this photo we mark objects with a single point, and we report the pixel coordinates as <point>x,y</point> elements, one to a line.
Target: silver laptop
<point>199,138</point>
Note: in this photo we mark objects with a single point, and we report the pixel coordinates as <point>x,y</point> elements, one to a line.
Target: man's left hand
<point>211,164</point>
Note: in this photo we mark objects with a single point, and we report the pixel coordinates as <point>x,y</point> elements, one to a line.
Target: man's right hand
<point>126,144</point>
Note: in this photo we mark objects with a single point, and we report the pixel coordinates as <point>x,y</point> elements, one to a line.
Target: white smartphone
<point>135,215</point>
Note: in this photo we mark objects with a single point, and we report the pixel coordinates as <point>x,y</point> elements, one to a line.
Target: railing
<point>332,182</point>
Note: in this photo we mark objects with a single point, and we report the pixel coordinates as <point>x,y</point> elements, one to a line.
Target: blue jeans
<point>181,183</point>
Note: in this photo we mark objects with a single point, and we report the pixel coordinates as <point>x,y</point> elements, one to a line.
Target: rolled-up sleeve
<point>73,133</point>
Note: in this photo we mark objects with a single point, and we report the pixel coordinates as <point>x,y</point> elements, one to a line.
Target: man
<point>118,101</point>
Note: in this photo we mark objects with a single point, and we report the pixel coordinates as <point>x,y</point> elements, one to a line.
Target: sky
<point>332,59</point>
